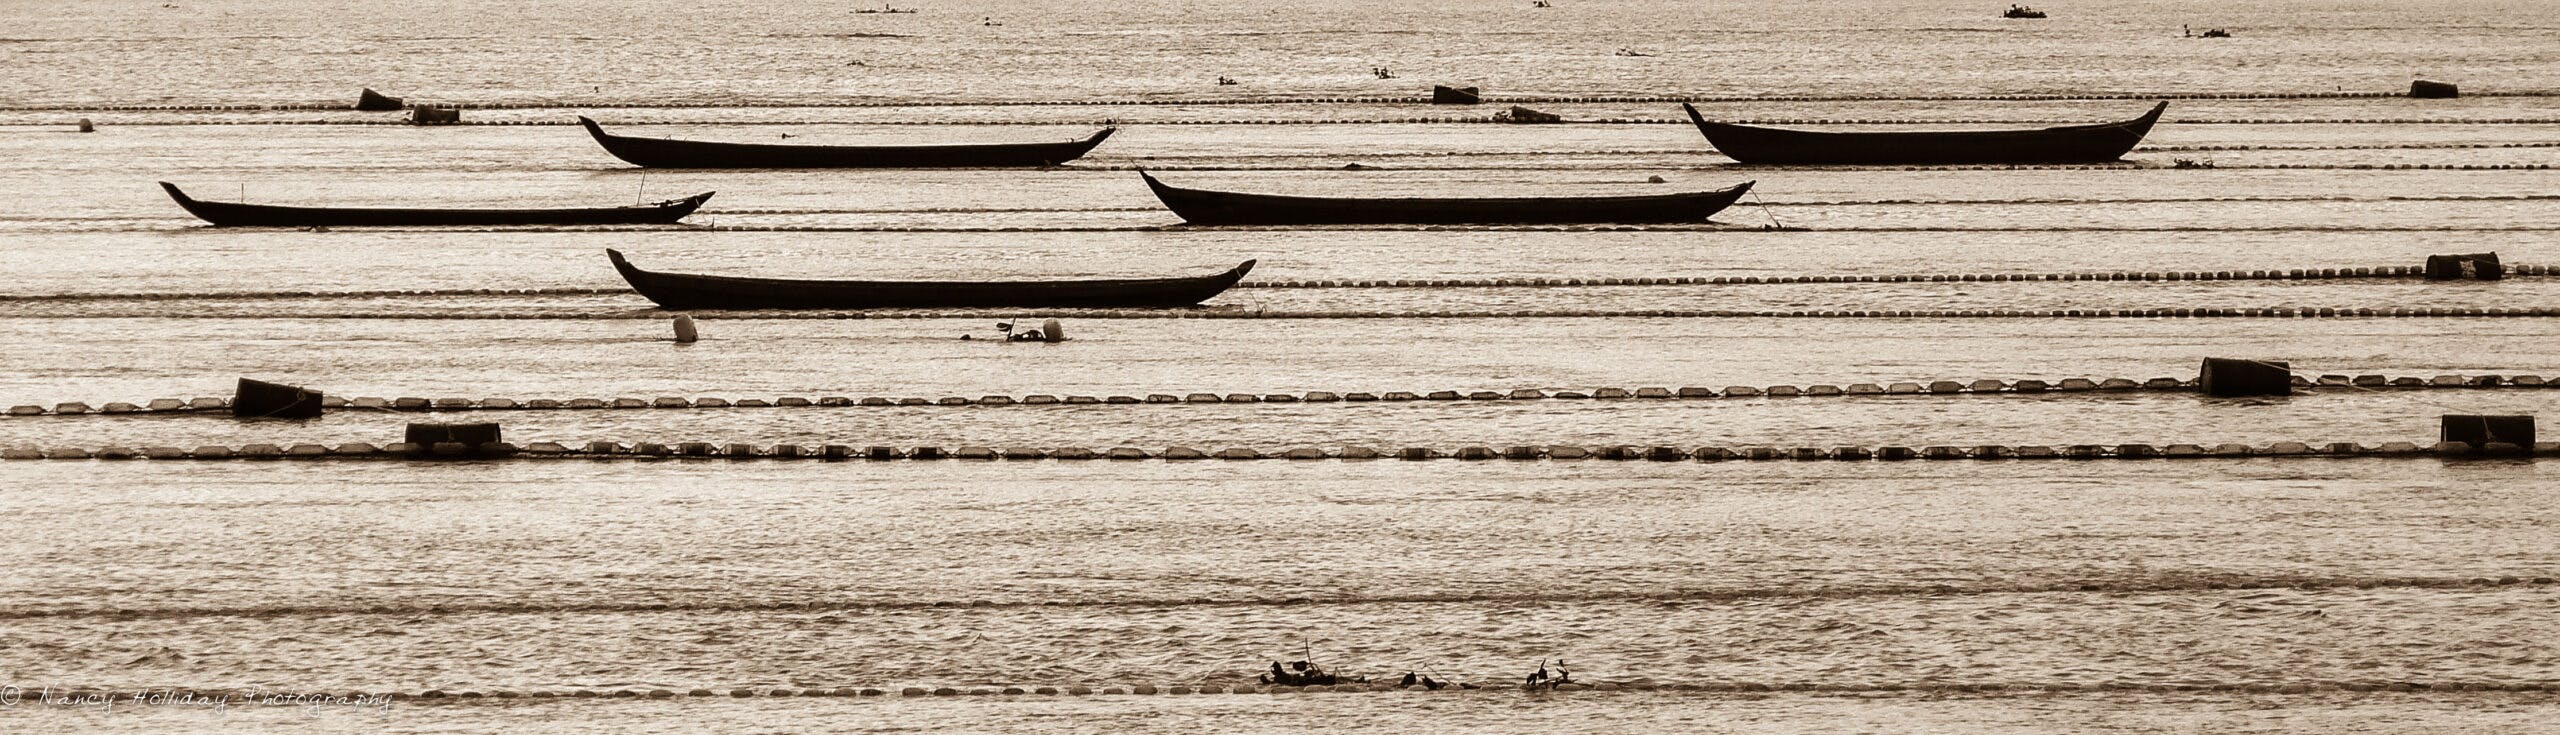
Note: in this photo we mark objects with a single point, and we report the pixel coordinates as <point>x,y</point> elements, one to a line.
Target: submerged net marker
<point>372,101</point>
<point>2486,431</point>
<point>256,399</point>
<point>426,115</point>
<point>452,440</point>
<point>1443,95</point>
<point>2465,267</point>
<point>685,331</point>
<point>2229,377</point>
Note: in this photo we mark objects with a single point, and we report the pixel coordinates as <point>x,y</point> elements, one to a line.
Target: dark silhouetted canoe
<point>667,153</point>
<point>1203,207</point>
<point>232,214</point>
<point>680,291</point>
<point>2067,144</point>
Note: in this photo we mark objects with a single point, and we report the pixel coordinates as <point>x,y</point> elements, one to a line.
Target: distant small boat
<point>668,153</point>
<point>682,291</point>
<point>2021,11</point>
<point>2066,144</point>
<point>1205,207</point>
<point>233,214</point>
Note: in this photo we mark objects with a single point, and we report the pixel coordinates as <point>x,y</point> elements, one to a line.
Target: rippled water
<point>2223,595</point>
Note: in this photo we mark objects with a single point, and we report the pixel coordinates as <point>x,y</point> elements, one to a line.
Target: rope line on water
<point>1781,203</point>
<point>654,451</point>
<point>335,106</point>
<point>1700,227</point>
<point>462,696</point>
<point>1240,314</point>
<point>2197,583</point>
<point>1706,226</point>
<point>2295,274</point>
<point>2067,201</point>
<point>1416,120</point>
<point>1901,388</point>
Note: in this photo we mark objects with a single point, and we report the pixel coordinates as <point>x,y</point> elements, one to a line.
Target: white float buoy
<point>685,332</point>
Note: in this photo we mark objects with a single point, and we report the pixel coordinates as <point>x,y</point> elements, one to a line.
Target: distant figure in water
<point>1300,673</point>
<point>1542,680</point>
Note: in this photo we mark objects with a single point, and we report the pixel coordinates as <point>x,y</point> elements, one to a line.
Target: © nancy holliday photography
<point>1508,366</point>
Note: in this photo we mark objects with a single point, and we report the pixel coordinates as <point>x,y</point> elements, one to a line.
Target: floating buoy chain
<point>652,451</point>
<point>1906,388</point>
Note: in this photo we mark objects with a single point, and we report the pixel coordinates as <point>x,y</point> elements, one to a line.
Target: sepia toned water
<point>2257,595</point>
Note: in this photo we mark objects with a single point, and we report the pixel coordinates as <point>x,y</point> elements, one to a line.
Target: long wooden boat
<point>233,214</point>
<point>1205,207</point>
<point>670,153</point>
<point>682,291</point>
<point>2066,144</point>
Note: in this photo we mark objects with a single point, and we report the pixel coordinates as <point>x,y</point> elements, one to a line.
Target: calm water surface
<point>2212,596</point>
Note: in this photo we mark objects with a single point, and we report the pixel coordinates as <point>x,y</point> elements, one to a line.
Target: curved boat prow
<point>193,207</point>
<point>631,274</point>
<point>1074,150</point>
<point>2148,119</point>
<point>688,204</point>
